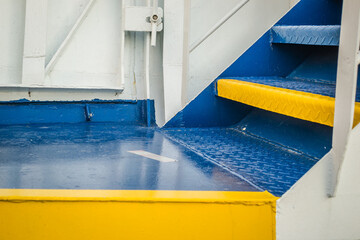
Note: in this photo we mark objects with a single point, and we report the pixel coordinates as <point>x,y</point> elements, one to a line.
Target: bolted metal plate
<point>137,19</point>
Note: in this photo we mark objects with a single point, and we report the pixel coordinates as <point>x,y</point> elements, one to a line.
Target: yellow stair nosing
<point>70,195</point>
<point>306,106</point>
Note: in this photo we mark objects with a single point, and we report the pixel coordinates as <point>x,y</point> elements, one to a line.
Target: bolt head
<point>154,17</point>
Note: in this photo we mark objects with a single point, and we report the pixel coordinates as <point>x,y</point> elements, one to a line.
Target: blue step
<point>324,35</point>
<point>269,166</point>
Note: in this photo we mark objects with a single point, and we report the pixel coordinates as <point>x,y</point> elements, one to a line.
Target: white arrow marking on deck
<point>152,156</point>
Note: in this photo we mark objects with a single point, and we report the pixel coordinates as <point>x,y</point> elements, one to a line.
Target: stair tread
<point>325,88</point>
<point>324,35</point>
<point>271,167</point>
<point>295,98</point>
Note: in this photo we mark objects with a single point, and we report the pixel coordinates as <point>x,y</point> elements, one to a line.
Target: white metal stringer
<point>345,86</point>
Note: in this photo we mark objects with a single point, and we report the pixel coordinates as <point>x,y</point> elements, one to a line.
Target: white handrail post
<point>147,42</point>
<point>345,87</point>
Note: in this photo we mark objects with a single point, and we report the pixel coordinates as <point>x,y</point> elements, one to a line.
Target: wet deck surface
<point>96,156</point>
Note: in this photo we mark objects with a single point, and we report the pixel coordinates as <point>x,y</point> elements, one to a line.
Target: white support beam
<point>33,71</point>
<point>175,55</point>
<point>345,86</point>
<point>68,38</point>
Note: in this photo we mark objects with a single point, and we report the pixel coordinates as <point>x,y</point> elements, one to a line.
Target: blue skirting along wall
<point>121,111</point>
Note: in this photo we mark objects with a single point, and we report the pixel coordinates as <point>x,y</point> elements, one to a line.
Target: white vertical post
<point>121,78</point>
<point>345,86</point>
<point>33,72</point>
<point>175,55</point>
<point>147,42</point>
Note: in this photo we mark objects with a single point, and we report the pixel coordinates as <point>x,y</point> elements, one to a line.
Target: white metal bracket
<point>138,19</point>
<point>143,19</point>
<point>147,19</point>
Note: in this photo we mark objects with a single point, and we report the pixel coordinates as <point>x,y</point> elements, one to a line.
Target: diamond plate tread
<point>298,104</point>
<point>325,35</point>
<point>320,87</point>
<point>266,165</point>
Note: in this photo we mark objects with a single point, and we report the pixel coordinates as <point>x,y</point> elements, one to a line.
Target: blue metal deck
<point>269,166</point>
<point>95,156</point>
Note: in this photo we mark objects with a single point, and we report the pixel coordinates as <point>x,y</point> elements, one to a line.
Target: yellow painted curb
<point>135,214</point>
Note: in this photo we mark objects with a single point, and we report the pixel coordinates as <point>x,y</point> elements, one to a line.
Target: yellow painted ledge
<point>135,214</point>
<point>306,106</point>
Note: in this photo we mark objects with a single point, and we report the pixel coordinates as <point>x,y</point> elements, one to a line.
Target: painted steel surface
<point>303,137</point>
<point>206,110</point>
<point>270,166</point>
<point>264,59</point>
<point>324,35</point>
<point>96,156</point>
<point>307,106</point>
<point>320,87</point>
<point>126,112</point>
<point>89,214</point>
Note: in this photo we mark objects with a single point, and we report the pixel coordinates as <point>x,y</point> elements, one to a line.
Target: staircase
<point>268,118</point>
<point>306,93</point>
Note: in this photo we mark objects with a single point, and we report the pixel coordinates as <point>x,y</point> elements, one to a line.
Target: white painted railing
<point>348,62</point>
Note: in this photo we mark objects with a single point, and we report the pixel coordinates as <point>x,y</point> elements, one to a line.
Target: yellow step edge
<point>134,195</point>
<point>306,106</point>
<point>135,214</point>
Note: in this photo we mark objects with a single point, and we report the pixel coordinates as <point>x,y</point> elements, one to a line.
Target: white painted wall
<point>91,59</point>
<point>305,211</point>
<point>12,19</point>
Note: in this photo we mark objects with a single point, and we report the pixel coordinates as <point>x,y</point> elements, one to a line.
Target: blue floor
<point>268,166</point>
<point>303,85</point>
<point>95,156</point>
